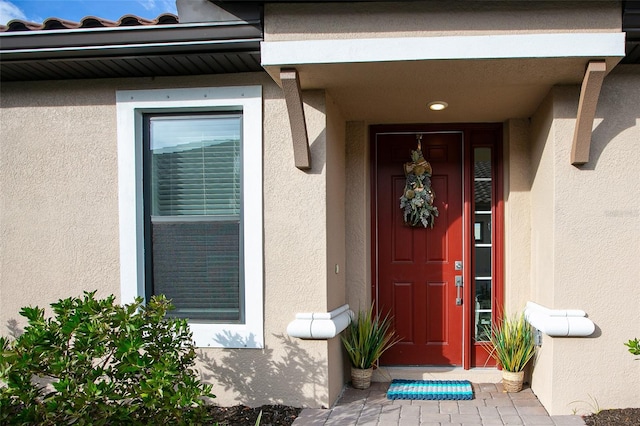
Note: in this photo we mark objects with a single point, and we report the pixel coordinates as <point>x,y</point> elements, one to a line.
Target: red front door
<point>415,267</point>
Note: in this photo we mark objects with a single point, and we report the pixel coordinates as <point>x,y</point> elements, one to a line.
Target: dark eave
<point>130,51</point>
<point>631,25</point>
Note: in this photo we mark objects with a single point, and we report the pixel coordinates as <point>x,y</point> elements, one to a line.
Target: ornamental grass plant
<point>368,337</point>
<point>511,343</point>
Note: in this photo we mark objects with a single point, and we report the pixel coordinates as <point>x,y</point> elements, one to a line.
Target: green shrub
<point>634,346</point>
<point>98,363</point>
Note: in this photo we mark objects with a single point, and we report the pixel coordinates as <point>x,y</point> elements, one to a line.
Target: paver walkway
<point>490,406</point>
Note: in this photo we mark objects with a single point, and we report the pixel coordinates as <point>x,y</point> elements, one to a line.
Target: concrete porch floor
<point>490,406</point>
<point>474,375</point>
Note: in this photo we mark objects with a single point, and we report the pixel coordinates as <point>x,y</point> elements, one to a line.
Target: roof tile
<point>87,22</point>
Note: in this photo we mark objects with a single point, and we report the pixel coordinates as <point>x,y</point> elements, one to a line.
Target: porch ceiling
<point>489,90</point>
<point>483,78</point>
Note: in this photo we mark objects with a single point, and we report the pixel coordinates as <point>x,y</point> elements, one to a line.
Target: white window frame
<point>131,105</point>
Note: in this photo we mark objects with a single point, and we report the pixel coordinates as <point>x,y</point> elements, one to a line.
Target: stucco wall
<point>542,203</point>
<point>358,214</point>
<point>517,215</point>
<point>58,194</point>
<point>59,223</point>
<point>413,19</point>
<point>595,248</point>
<point>304,240</point>
<point>336,187</point>
<point>542,214</point>
<point>335,230</point>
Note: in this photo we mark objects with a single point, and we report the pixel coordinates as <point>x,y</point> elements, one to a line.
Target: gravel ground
<point>240,415</point>
<point>620,417</point>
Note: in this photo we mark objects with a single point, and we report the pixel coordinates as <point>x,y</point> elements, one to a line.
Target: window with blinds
<point>193,213</point>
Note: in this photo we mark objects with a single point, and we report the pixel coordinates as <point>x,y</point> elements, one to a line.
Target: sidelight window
<point>482,249</point>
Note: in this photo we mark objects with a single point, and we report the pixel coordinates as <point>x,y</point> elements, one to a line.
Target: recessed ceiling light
<point>437,105</point>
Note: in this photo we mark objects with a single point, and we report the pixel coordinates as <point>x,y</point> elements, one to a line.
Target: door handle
<point>459,285</point>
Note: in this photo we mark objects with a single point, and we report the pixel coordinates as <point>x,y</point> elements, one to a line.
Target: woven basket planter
<point>361,379</point>
<point>512,382</point>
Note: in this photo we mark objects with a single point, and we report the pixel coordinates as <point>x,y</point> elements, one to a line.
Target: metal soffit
<point>130,47</point>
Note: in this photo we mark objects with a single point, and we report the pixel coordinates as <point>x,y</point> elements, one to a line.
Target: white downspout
<point>559,322</point>
<point>320,325</point>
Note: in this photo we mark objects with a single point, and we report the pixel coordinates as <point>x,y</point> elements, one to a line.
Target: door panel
<point>415,266</point>
<point>404,313</point>
<point>437,301</point>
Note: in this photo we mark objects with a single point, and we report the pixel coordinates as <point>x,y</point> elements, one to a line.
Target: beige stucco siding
<point>432,19</point>
<point>358,216</point>
<point>58,196</point>
<point>295,243</point>
<point>542,203</point>
<point>335,231</point>
<point>593,239</point>
<point>59,224</point>
<point>517,214</point>
<point>541,212</point>
<point>295,202</point>
<point>336,187</point>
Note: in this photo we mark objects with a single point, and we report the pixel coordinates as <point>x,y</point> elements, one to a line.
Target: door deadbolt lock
<point>457,265</point>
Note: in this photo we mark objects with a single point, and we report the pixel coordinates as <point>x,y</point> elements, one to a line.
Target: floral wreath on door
<point>417,199</point>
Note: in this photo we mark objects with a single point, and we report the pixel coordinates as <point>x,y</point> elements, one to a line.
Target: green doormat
<point>430,389</point>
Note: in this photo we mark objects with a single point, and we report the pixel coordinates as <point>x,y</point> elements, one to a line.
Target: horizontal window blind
<point>196,166</point>
<point>197,266</point>
<point>194,212</point>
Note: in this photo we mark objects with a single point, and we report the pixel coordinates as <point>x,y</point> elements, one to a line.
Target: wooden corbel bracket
<point>293,98</point>
<point>589,93</point>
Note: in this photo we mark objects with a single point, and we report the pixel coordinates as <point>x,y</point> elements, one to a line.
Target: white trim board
<point>556,45</point>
